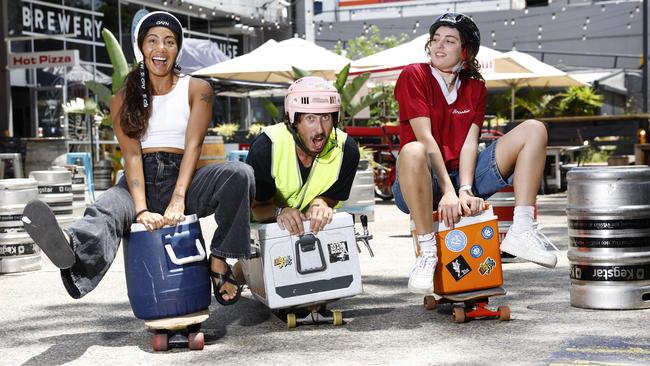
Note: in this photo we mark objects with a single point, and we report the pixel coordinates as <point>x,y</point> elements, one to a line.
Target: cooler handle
<point>190,259</point>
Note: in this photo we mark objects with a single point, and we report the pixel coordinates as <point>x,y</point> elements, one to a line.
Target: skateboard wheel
<point>504,313</point>
<point>196,341</point>
<point>337,317</point>
<point>458,315</point>
<point>291,320</point>
<point>160,342</point>
<point>429,302</point>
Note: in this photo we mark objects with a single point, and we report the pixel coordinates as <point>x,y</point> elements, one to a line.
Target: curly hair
<point>472,67</point>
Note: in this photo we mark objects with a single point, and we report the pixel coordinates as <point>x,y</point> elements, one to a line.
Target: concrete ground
<point>385,325</point>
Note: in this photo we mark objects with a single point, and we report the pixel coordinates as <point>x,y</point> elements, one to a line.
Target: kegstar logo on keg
<point>610,273</point>
<point>476,251</point>
<point>54,189</point>
<point>458,268</point>
<point>338,251</point>
<point>456,241</point>
<point>487,232</point>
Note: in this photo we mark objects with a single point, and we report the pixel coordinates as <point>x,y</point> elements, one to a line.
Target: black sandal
<point>224,278</point>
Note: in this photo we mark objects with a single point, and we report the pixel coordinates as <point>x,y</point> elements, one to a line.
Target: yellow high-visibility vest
<point>291,191</point>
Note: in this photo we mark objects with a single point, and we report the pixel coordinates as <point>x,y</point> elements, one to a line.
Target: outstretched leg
<point>86,249</point>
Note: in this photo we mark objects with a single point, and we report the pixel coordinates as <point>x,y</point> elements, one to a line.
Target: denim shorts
<point>487,180</point>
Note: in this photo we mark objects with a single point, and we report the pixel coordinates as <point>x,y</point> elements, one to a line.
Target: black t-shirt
<point>259,157</point>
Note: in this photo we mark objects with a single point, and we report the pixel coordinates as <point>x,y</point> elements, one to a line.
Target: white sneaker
<point>421,278</point>
<point>531,246</point>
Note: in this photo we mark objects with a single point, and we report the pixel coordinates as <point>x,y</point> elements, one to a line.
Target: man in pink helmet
<point>305,166</point>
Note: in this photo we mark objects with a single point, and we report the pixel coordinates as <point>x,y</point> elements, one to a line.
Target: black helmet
<point>466,27</point>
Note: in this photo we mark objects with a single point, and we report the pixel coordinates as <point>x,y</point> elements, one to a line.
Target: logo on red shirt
<point>462,111</point>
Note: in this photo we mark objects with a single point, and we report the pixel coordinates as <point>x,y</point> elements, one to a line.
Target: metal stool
<point>17,164</point>
<point>83,158</point>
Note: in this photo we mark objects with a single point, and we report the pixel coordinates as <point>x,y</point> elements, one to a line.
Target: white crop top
<point>170,114</point>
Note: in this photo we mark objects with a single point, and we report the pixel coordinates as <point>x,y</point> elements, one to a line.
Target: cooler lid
<point>272,230</point>
<point>486,215</point>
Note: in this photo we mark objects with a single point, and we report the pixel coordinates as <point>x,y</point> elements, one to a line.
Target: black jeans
<point>225,190</point>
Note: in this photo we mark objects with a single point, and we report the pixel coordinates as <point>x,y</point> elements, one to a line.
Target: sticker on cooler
<point>283,261</point>
<point>476,251</point>
<point>486,267</point>
<point>458,268</point>
<point>338,251</point>
<point>456,241</point>
<point>487,232</point>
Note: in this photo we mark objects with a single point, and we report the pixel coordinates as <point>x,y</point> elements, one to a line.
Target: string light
<point>564,8</point>
<point>539,28</point>
<point>539,45</point>
<point>512,21</point>
<point>493,34</point>
<point>526,11</point>
<point>553,16</point>
<point>494,43</point>
<point>584,37</point>
<point>330,25</point>
<point>631,14</point>
<point>584,27</point>
<point>505,23</point>
<point>539,36</point>
<point>587,21</point>
<point>629,26</point>
<point>602,7</point>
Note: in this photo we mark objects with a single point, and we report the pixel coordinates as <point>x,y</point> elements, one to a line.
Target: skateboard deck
<point>178,331</point>
<point>474,295</point>
<point>475,304</point>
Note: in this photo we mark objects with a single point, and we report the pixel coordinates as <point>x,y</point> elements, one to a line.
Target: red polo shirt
<point>419,95</point>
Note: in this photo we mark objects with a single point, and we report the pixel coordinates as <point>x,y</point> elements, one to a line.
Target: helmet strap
<point>298,141</point>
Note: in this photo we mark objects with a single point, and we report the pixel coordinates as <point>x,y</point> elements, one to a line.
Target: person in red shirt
<point>441,108</point>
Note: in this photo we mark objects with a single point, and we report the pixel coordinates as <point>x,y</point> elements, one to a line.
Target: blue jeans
<point>487,180</point>
<point>225,190</point>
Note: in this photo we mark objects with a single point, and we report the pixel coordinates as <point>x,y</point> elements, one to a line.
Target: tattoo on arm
<point>206,97</point>
<point>135,183</point>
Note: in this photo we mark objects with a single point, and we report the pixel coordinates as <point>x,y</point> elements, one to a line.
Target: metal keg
<point>362,194</point>
<point>609,237</point>
<point>79,188</point>
<point>55,189</point>
<point>18,253</point>
<point>103,174</point>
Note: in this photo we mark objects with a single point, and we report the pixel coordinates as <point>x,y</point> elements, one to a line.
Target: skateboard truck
<point>317,314</point>
<point>475,305</point>
<point>365,237</point>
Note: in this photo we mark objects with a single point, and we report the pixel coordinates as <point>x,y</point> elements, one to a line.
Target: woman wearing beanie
<point>160,118</point>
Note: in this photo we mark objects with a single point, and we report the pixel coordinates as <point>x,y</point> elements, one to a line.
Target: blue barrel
<point>237,155</point>
<point>167,273</point>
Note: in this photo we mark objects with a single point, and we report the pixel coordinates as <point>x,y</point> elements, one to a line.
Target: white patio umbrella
<point>539,74</point>
<point>272,62</point>
<point>386,65</point>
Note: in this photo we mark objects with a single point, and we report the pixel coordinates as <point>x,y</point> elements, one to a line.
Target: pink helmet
<point>311,94</point>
